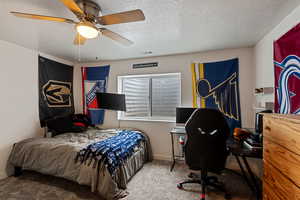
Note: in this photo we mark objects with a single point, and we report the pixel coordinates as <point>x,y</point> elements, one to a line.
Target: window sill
<point>147,119</point>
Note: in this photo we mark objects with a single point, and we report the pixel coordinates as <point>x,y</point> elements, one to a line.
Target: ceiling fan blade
<point>42,17</point>
<point>115,36</point>
<point>79,40</point>
<point>72,5</point>
<point>123,17</point>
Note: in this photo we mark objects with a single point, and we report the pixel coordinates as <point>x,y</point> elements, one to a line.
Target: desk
<point>235,148</point>
<point>173,133</point>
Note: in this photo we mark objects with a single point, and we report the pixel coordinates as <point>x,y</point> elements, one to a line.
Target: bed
<point>56,156</point>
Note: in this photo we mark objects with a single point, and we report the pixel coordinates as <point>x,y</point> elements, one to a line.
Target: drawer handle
<point>268,128</point>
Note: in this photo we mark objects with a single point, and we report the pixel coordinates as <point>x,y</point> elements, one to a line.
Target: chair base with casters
<point>204,180</point>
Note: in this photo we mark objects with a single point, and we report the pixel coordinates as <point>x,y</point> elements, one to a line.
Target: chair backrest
<point>207,132</point>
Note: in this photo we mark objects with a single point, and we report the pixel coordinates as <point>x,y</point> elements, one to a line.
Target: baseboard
<point>162,157</point>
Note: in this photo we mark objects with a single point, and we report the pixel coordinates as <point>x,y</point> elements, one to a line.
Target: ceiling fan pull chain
<point>79,53</point>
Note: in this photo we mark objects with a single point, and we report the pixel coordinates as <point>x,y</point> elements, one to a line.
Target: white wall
<point>19,116</point>
<point>263,53</point>
<point>159,131</point>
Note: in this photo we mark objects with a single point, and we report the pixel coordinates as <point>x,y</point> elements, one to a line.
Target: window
<point>152,97</point>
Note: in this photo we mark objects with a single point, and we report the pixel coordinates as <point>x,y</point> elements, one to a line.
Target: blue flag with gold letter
<point>216,85</point>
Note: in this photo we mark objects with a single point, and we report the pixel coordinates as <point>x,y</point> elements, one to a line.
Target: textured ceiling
<point>171,26</point>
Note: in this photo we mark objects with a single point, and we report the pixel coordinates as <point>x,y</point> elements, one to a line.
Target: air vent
<point>145,65</point>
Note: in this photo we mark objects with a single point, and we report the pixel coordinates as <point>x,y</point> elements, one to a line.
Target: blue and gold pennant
<point>216,85</point>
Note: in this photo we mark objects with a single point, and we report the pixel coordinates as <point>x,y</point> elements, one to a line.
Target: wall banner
<point>287,72</point>
<point>55,89</point>
<point>94,79</point>
<point>216,85</point>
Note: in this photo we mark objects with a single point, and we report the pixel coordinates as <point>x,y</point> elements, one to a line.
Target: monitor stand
<point>180,127</point>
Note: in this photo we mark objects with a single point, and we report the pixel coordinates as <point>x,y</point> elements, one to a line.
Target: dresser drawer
<point>284,132</point>
<point>281,186</point>
<point>287,162</point>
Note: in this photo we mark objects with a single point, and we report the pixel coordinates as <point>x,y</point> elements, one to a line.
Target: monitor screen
<point>183,114</point>
<point>111,101</point>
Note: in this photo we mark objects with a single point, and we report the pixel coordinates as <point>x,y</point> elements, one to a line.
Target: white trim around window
<point>149,97</point>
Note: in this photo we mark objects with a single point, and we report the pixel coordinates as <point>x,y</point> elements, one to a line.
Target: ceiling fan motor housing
<point>91,9</point>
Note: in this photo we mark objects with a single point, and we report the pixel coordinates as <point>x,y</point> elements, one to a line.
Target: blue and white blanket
<point>112,151</point>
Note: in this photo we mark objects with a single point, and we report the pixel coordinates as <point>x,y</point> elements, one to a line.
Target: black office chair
<point>205,148</point>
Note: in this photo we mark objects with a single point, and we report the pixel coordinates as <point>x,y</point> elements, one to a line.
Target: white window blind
<point>165,95</point>
<point>150,97</point>
<point>137,94</point>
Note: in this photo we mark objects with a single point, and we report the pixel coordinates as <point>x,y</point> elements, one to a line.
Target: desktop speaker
<point>259,120</point>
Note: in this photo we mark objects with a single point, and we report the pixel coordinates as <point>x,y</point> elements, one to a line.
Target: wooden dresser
<point>281,157</point>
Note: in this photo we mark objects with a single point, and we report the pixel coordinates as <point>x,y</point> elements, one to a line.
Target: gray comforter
<point>55,156</point>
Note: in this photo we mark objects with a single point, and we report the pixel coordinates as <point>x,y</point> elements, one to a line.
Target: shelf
<point>259,108</point>
<point>262,94</point>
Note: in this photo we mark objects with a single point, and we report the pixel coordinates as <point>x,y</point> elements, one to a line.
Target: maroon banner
<point>287,72</point>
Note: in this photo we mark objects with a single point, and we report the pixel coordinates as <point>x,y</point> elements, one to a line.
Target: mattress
<point>55,156</point>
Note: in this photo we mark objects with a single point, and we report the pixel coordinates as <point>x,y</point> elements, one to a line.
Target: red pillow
<point>79,124</point>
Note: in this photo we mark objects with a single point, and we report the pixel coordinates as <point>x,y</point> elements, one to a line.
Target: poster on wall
<point>94,79</point>
<point>216,85</point>
<point>287,72</point>
<point>55,89</point>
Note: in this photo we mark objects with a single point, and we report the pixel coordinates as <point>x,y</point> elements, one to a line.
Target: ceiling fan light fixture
<point>87,30</point>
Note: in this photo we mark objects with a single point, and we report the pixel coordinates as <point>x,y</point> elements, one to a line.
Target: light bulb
<point>87,30</point>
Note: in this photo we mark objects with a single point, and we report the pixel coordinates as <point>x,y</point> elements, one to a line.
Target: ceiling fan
<point>89,14</point>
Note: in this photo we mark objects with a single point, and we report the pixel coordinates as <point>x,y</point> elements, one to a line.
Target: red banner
<point>287,72</point>
<point>94,79</point>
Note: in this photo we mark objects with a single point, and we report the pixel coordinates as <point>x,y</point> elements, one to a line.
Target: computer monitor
<point>183,114</point>
<point>111,101</point>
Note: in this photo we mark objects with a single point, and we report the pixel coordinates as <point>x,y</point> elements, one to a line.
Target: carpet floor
<point>153,182</point>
